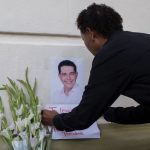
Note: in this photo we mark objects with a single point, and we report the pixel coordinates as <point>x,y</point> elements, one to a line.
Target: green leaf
<point>2,88</point>
<point>1,106</point>
<point>35,85</point>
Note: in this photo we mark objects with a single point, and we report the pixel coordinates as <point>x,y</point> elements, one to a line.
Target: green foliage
<point>24,107</point>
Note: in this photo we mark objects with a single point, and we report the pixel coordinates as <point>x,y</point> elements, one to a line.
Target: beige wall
<point>33,31</point>
<point>58,16</point>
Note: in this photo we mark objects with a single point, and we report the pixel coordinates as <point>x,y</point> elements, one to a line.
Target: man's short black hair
<point>66,63</point>
<point>101,18</point>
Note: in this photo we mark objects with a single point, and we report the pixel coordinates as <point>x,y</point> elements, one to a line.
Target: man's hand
<point>47,117</point>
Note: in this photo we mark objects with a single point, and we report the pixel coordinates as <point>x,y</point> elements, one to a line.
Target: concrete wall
<point>58,17</point>
<point>34,31</point>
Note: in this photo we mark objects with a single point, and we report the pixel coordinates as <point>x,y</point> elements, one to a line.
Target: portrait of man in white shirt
<point>70,93</point>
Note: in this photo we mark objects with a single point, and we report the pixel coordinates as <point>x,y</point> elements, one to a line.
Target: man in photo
<point>70,92</point>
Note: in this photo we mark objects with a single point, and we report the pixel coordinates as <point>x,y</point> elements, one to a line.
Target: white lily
<point>1,115</point>
<point>26,128</point>
<point>34,141</point>
<point>5,133</point>
<point>19,111</point>
<point>30,116</point>
<point>34,127</point>
<point>42,134</point>
<point>21,124</point>
<point>23,135</point>
<point>12,126</point>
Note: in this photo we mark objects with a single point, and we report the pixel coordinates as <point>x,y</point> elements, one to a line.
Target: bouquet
<point>26,131</point>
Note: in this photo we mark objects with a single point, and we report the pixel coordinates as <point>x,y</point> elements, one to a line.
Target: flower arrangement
<point>26,131</point>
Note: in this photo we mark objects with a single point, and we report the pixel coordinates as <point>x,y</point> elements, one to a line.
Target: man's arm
<point>109,77</point>
<point>107,81</point>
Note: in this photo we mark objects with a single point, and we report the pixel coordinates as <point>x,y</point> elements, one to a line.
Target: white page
<point>92,132</point>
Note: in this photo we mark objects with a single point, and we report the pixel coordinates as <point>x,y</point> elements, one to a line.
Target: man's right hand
<point>47,117</point>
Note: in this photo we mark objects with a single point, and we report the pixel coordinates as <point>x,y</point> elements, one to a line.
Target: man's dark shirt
<point>121,67</point>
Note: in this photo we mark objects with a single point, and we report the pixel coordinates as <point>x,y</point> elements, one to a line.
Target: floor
<point>113,137</point>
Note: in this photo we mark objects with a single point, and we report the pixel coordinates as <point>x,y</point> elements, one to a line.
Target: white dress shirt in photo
<point>74,96</point>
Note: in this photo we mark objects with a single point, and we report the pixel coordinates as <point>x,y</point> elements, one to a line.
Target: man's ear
<point>88,30</point>
<point>59,75</point>
<point>91,33</point>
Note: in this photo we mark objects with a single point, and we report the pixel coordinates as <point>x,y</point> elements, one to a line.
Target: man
<point>121,66</point>
<point>70,93</point>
